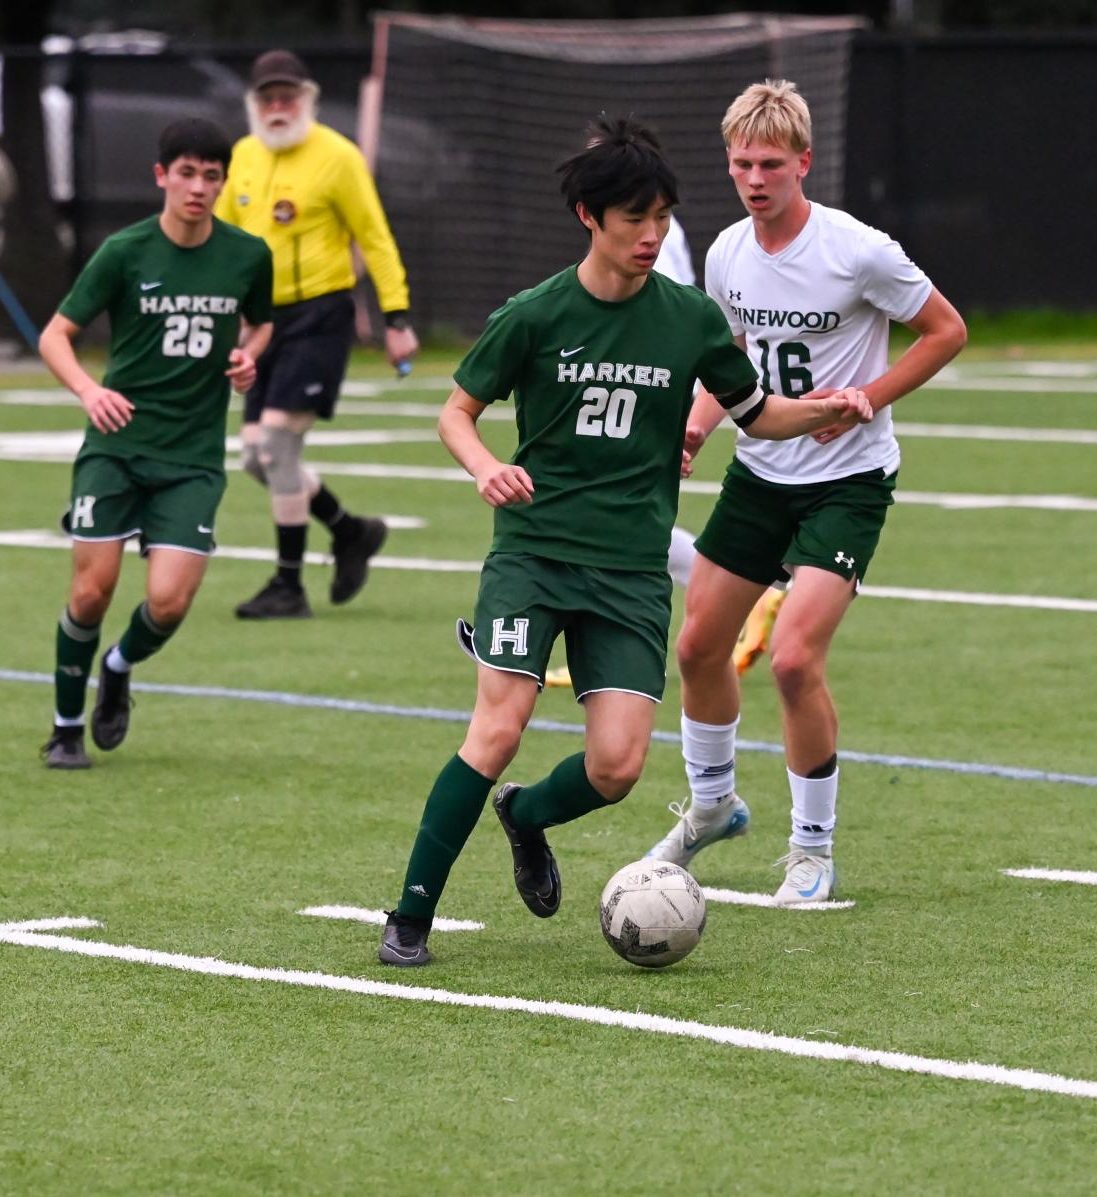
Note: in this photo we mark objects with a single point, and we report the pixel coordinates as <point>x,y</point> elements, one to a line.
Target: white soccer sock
<point>116,663</point>
<point>682,555</point>
<point>709,753</point>
<point>814,800</point>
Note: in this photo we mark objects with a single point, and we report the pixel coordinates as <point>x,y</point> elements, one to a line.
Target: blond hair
<point>773,113</point>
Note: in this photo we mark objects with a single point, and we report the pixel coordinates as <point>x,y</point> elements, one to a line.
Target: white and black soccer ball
<point>653,913</point>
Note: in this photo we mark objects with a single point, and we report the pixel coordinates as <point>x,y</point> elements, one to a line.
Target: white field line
<point>63,444</point>
<point>320,702</point>
<point>379,917</point>
<point>735,897</point>
<point>960,501</point>
<point>59,924</point>
<point>1012,386</point>
<point>1048,377</point>
<point>945,500</point>
<point>1021,369</point>
<point>1032,602</point>
<point>360,388</point>
<point>991,432</point>
<point>39,538</point>
<point>60,448</point>
<point>1053,875</point>
<point>993,1074</point>
<point>33,538</point>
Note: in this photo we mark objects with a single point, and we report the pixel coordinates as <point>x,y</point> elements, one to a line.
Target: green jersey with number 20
<point>602,391</point>
<point>816,315</point>
<point>174,318</point>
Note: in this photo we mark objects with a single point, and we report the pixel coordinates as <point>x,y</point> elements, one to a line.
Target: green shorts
<point>758,530</point>
<point>168,506</point>
<point>615,622</point>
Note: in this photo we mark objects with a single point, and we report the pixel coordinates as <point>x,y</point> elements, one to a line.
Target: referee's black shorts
<point>302,368</point>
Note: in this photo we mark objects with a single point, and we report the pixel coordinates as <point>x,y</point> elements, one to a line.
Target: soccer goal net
<point>471,116</point>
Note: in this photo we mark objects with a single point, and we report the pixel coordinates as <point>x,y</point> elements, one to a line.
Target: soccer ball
<point>653,913</point>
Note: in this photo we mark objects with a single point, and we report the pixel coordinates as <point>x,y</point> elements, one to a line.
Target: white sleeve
<point>890,281</point>
<point>674,257</point>
<point>716,288</point>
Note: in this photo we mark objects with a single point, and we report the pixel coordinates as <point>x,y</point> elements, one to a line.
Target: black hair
<point>621,165</point>
<point>194,138</point>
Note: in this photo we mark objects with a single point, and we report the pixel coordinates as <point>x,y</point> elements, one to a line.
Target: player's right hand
<point>695,438</point>
<point>501,485</point>
<point>691,446</point>
<point>107,410</point>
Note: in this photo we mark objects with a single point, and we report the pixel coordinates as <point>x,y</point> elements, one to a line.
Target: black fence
<point>972,151</point>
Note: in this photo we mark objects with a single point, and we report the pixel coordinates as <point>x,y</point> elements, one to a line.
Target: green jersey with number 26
<point>602,391</point>
<point>174,318</point>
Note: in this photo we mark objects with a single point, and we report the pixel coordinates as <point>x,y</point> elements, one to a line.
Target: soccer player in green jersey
<point>601,360</point>
<point>175,288</point>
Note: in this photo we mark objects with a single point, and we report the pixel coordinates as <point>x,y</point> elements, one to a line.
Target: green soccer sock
<point>452,811</point>
<point>76,645</point>
<point>564,795</point>
<point>144,636</point>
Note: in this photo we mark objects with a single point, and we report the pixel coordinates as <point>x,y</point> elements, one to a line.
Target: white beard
<point>281,134</point>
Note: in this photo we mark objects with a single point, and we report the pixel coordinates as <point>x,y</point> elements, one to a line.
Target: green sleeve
<point>257,304</point>
<point>96,286</point>
<point>724,369</point>
<point>492,367</point>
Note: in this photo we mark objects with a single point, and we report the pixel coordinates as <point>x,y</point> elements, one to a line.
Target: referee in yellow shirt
<point>306,190</point>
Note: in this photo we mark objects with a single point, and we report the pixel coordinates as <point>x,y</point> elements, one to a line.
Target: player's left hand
<point>401,345</point>
<point>850,405</point>
<point>241,371</point>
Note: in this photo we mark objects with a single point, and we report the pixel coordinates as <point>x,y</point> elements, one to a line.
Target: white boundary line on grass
<point>736,897</point>
<point>37,538</point>
<point>447,715</point>
<point>359,914</point>
<point>993,1074</point>
<point>1053,875</point>
<point>59,448</point>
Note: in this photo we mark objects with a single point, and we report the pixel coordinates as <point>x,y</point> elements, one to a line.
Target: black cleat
<point>352,554</point>
<point>65,749</point>
<point>404,943</point>
<point>279,599</point>
<point>110,720</point>
<point>536,876</point>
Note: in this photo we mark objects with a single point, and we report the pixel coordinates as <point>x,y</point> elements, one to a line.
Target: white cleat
<point>808,878</point>
<point>699,826</point>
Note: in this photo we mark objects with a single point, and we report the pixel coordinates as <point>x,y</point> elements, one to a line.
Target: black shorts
<point>302,368</point>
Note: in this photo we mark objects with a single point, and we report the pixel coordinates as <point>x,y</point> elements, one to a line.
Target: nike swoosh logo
<point>149,286</point>
<point>809,893</point>
<point>571,352</point>
<point>204,529</point>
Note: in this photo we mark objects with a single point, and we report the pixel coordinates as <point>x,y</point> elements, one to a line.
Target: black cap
<point>278,66</point>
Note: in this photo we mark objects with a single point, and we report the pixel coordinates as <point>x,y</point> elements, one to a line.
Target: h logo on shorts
<point>517,638</point>
<point>82,512</point>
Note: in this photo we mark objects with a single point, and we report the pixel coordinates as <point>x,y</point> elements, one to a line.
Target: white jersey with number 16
<point>816,315</point>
